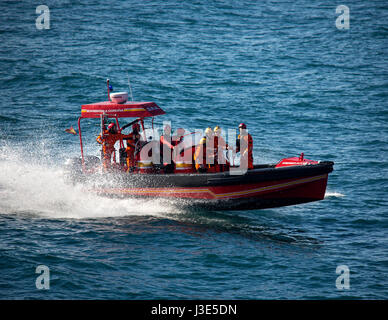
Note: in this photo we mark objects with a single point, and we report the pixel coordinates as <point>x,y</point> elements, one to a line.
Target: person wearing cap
<point>247,152</point>
<point>204,153</point>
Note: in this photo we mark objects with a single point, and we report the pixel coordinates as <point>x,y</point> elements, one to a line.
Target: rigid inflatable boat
<point>290,181</point>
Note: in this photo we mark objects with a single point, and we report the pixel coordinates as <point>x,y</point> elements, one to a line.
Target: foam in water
<point>30,185</point>
<point>329,194</point>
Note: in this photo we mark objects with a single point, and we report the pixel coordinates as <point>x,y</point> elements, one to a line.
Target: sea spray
<point>37,185</point>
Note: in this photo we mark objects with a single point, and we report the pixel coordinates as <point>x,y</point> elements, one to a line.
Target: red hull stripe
<point>211,192</point>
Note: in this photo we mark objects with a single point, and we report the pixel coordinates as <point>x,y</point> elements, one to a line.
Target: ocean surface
<point>283,67</point>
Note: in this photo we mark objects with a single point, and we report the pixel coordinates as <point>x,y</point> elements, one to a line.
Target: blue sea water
<point>282,67</point>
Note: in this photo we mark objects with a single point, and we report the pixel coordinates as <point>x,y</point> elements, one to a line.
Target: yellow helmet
<point>208,131</point>
<point>217,130</point>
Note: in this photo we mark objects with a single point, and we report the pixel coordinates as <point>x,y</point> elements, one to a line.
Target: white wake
<point>32,185</point>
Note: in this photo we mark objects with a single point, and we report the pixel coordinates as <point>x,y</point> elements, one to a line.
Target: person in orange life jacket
<point>132,140</point>
<point>204,153</point>
<point>219,146</point>
<point>247,152</point>
<point>175,141</point>
<point>108,140</point>
<point>166,149</point>
<point>178,138</point>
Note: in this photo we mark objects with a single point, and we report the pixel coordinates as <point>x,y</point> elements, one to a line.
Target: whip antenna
<point>130,89</point>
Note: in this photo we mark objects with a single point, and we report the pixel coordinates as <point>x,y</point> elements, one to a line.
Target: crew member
<point>175,141</point>
<point>204,153</point>
<point>132,141</point>
<point>178,138</point>
<point>219,146</point>
<point>108,140</point>
<point>166,149</point>
<point>247,152</point>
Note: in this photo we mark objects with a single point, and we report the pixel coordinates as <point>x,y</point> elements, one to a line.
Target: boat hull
<point>263,187</point>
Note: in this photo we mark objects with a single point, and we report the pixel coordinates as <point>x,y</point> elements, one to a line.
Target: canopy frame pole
<point>119,130</point>
<point>80,141</point>
<point>103,128</point>
<point>142,125</point>
<point>107,84</point>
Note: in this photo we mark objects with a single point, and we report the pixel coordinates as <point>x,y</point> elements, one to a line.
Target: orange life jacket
<point>108,141</point>
<point>132,139</point>
<point>200,159</point>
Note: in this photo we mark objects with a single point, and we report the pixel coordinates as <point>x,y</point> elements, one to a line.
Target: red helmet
<point>112,127</point>
<point>242,126</point>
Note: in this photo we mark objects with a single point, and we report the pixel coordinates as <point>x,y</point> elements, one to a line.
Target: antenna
<point>107,84</point>
<point>129,85</point>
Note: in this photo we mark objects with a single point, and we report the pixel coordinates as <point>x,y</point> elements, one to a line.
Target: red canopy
<point>130,109</point>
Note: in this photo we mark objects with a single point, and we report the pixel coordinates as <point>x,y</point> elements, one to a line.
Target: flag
<point>71,130</point>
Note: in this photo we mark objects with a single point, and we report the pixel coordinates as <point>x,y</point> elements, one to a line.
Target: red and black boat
<point>291,181</point>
